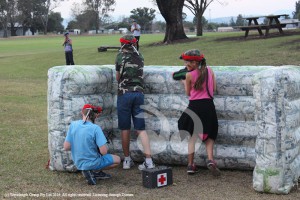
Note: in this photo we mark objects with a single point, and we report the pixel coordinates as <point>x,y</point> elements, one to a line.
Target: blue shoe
<point>101,175</point>
<point>89,176</point>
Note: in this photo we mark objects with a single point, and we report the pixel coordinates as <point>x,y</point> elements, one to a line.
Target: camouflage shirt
<point>130,65</point>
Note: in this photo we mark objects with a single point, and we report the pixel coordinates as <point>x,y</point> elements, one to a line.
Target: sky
<point>217,9</point>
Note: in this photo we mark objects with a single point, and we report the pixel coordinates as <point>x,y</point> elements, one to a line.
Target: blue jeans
<point>129,106</point>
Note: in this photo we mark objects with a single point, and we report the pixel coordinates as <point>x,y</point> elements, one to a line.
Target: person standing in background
<point>136,30</point>
<point>68,49</point>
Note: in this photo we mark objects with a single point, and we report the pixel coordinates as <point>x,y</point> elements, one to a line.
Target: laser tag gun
<point>180,75</point>
<point>66,39</point>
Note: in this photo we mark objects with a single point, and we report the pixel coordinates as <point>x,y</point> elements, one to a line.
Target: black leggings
<point>137,42</point>
<point>69,58</point>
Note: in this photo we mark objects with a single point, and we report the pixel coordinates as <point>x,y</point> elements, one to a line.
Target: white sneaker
<point>127,164</point>
<point>146,166</point>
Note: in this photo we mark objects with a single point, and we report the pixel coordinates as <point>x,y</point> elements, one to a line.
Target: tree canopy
<point>144,17</point>
<point>101,8</point>
<point>297,11</point>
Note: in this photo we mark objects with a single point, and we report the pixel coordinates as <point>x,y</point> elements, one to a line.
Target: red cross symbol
<point>161,179</point>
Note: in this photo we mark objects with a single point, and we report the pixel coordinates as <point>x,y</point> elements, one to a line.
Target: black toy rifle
<point>180,75</point>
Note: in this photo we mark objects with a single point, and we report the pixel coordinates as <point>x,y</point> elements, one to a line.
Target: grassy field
<point>24,63</point>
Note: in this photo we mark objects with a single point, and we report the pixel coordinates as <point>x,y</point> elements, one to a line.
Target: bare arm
<point>67,146</point>
<point>187,84</point>
<point>132,28</point>
<point>103,149</point>
<point>138,28</point>
<point>117,75</point>
<point>214,81</point>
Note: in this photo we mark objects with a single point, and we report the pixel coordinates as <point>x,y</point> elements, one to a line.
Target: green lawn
<point>24,63</point>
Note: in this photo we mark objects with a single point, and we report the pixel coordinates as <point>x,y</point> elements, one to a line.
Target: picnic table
<point>273,23</point>
<point>252,26</point>
<point>277,24</point>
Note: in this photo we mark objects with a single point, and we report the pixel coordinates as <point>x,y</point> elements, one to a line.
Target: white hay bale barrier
<point>258,108</point>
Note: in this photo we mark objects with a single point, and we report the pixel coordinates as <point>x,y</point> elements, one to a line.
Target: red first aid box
<point>157,177</point>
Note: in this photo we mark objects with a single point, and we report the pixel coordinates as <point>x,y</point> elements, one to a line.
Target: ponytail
<point>202,77</point>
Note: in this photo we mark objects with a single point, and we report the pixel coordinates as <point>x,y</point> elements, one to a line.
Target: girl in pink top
<point>199,118</point>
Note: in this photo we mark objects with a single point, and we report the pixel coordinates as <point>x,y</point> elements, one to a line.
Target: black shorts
<point>202,113</point>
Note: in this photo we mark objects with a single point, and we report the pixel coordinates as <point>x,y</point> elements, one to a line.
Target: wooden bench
<point>252,27</point>
<point>105,48</point>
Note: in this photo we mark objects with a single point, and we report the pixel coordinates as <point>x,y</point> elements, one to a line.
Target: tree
<point>198,7</point>
<point>212,26</point>
<point>189,25</point>
<point>13,14</point>
<point>159,26</point>
<point>42,9</point>
<point>9,16</point>
<point>72,25</point>
<point>144,17</point>
<point>4,16</point>
<point>204,22</point>
<point>232,22</point>
<point>29,15</point>
<point>55,22</point>
<point>85,21</point>
<point>297,11</point>
<point>26,9</point>
<point>101,8</point>
<point>171,10</point>
<point>240,21</point>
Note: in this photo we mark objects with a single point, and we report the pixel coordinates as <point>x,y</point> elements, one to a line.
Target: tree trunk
<point>46,25</point>
<point>32,30</point>
<point>97,22</point>
<point>4,27</point>
<point>97,15</point>
<point>13,30</point>
<point>171,10</point>
<point>5,35</point>
<point>199,25</point>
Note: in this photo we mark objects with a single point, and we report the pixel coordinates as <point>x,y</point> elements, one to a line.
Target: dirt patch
<point>174,42</point>
<point>231,185</point>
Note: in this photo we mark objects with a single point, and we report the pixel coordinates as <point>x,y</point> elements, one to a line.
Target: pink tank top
<point>201,94</point>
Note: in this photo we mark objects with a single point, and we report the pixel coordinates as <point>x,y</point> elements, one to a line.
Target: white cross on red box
<point>162,180</point>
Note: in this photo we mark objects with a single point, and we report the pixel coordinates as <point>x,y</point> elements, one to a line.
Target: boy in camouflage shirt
<point>129,64</point>
<point>129,74</point>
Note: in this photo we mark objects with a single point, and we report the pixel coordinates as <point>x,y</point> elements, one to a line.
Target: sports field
<point>24,62</point>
